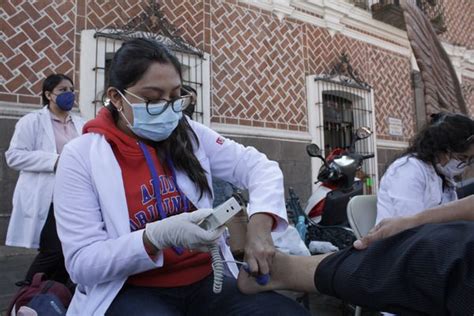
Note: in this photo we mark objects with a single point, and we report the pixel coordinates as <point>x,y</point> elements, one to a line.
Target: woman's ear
<point>48,95</point>
<point>115,98</point>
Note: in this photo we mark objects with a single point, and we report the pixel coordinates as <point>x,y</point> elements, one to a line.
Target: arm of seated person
<point>460,210</point>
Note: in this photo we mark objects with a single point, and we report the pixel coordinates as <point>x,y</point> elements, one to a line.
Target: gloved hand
<point>182,230</point>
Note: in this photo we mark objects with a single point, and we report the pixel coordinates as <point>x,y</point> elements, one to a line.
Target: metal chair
<point>362,213</point>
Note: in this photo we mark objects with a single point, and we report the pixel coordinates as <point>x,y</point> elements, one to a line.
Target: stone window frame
<point>315,90</point>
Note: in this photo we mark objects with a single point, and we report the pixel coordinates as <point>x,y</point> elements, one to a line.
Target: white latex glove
<point>182,230</point>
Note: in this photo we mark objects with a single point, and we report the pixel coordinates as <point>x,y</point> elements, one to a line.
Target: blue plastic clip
<point>261,279</point>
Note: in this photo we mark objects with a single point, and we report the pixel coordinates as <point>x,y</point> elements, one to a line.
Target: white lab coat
<point>33,152</point>
<point>410,186</point>
<point>93,222</point>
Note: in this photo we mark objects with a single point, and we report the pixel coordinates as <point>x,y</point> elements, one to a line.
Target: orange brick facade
<point>40,39</point>
<point>258,67</point>
<point>257,61</point>
<point>388,73</point>
<point>468,89</point>
<point>460,26</point>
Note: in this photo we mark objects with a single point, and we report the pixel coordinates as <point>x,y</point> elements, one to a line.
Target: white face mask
<point>451,169</point>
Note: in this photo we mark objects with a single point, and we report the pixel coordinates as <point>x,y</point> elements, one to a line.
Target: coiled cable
<point>218,267</point>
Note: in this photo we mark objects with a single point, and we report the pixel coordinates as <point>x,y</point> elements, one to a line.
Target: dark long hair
<point>445,133</point>
<point>50,83</point>
<point>129,64</point>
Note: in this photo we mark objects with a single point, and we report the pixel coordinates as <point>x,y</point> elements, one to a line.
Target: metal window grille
<point>345,107</point>
<point>106,46</point>
<point>344,103</point>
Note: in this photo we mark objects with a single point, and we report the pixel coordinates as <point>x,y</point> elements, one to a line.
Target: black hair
<point>128,65</point>
<point>50,83</point>
<point>444,133</point>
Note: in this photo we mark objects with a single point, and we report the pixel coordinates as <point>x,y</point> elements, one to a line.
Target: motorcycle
<point>337,181</point>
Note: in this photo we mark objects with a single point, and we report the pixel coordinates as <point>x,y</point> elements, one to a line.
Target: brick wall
<point>391,79</point>
<point>468,89</point>
<point>192,19</point>
<point>39,40</point>
<point>189,16</point>
<point>43,37</point>
<point>257,61</point>
<point>458,15</point>
<point>323,50</point>
<point>388,73</point>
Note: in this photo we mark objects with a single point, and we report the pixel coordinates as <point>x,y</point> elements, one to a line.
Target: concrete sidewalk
<point>14,262</point>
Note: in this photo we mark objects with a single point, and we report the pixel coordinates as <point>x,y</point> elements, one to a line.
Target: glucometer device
<point>221,214</point>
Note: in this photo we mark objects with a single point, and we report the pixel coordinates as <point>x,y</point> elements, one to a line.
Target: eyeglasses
<point>470,139</point>
<point>159,106</point>
<point>465,160</point>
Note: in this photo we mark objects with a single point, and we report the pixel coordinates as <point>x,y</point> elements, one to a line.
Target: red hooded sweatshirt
<point>178,270</point>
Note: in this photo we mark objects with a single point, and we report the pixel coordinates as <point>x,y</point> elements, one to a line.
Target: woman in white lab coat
<point>34,151</point>
<point>131,191</point>
<point>424,175</point>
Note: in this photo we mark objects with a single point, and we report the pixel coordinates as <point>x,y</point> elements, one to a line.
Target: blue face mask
<point>152,127</point>
<point>65,100</point>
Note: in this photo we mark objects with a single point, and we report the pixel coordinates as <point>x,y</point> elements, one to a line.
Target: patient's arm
<point>460,210</point>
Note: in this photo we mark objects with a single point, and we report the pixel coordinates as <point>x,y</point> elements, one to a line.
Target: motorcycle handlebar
<point>367,156</point>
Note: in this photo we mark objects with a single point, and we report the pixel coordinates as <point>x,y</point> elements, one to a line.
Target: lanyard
<point>156,186</point>
<point>173,174</point>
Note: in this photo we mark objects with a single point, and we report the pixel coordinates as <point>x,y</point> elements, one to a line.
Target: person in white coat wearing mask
<point>424,176</point>
<point>34,151</point>
<point>131,191</point>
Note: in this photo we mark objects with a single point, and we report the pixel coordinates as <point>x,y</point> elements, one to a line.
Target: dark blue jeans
<point>198,299</point>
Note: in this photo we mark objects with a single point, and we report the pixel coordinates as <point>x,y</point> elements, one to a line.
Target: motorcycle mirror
<point>313,150</point>
<point>363,132</point>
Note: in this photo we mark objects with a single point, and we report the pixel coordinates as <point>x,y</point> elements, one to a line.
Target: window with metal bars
<point>338,122</point>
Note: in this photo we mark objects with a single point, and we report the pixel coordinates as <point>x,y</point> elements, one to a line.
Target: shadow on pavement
<point>13,265</point>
